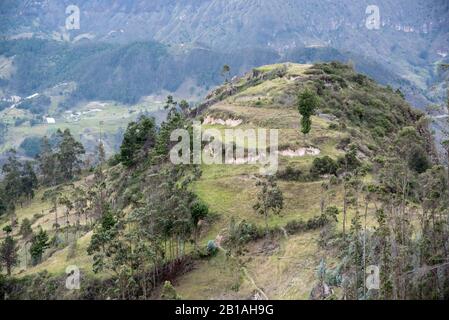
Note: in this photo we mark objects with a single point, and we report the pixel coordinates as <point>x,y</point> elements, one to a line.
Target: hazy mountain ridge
<point>241,23</point>
<point>412,38</point>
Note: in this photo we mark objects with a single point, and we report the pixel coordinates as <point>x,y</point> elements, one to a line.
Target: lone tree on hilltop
<point>225,72</point>
<point>307,104</point>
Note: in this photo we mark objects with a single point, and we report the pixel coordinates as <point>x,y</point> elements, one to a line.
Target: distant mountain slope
<point>126,72</point>
<point>117,72</point>
<point>413,34</point>
<point>227,24</point>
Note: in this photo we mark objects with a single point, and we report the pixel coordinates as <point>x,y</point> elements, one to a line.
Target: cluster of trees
<point>57,164</point>
<point>408,200</point>
<point>18,185</point>
<point>139,137</point>
<point>152,236</point>
<point>37,106</point>
<point>60,160</point>
<point>270,198</point>
<point>144,142</point>
<point>9,248</point>
<point>166,218</point>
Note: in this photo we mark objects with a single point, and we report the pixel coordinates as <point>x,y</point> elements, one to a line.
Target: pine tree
<point>80,205</point>
<point>67,203</point>
<point>175,120</point>
<point>68,155</point>
<point>102,244</point>
<point>355,252</point>
<point>139,138</point>
<point>348,175</point>
<point>39,243</point>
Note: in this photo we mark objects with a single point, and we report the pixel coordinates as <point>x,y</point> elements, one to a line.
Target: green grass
<point>216,278</point>
<point>28,210</point>
<point>230,190</point>
<point>286,273</point>
<point>58,262</point>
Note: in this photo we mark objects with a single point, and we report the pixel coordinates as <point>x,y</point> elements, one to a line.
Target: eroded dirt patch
<point>229,122</point>
<point>301,152</point>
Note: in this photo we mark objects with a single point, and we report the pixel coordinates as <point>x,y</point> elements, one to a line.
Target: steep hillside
<point>355,129</point>
<point>354,110</point>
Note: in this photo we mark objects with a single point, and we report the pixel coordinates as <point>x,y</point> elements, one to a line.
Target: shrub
<point>290,174</point>
<point>331,213</point>
<point>169,292</point>
<point>211,248</point>
<point>242,233</point>
<point>379,132</point>
<point>344,143</point>
<point>114,160</point>
<point>419,161</point>
<point>25,228</point>
<point>322,166</point>
<point>295,226</point>
<point>360,79</point>
<point>138,135</point>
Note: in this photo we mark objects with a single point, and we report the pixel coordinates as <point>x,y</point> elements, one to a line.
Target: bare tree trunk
<point>266,222</point>
<point>344,210</point>
<point>26,255</point>
<point>364,249</point>
<point>447,146</point>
